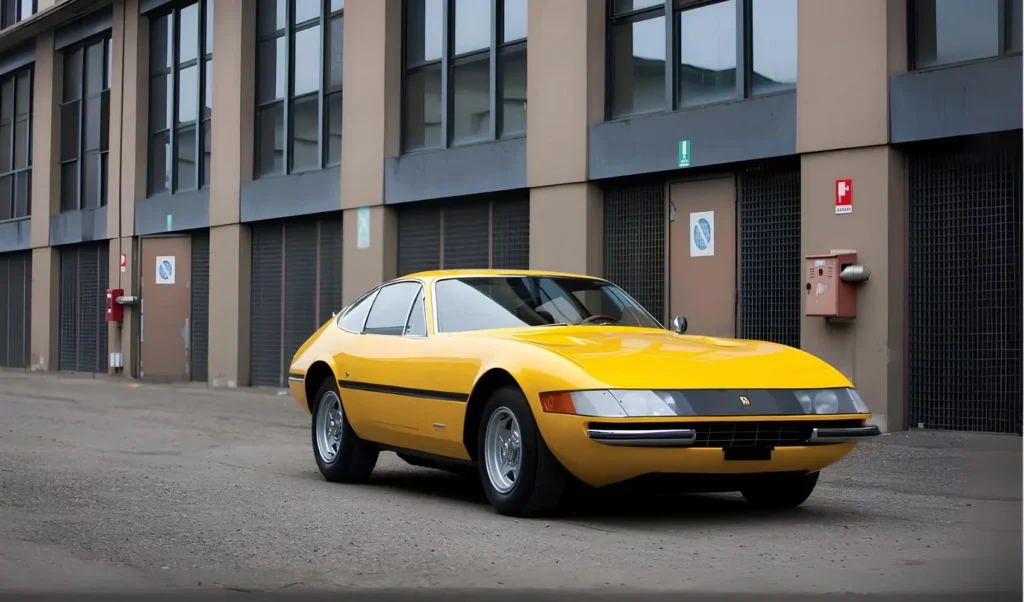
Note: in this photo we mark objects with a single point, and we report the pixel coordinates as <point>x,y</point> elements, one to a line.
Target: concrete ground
<point>108,486</point>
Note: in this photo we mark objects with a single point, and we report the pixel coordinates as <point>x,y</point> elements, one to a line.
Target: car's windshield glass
<point>481,303</point>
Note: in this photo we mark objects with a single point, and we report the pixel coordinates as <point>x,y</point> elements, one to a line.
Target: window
<point>416,325</point>
<point>482,303</point>
<point>180,98</point>
<point>12,11</point>
<point>353,319</point>
<point>699,56</point>
<point>299,81</point>
<point>390,311</point>
<point>447,93</point>
<point>954,31</point>
<point>84,125</point>
<point>16,144</point>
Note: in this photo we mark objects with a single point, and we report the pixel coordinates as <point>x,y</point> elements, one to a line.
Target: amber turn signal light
<point>557,403</point>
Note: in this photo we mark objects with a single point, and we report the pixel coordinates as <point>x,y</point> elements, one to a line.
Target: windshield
<point>516,301</point>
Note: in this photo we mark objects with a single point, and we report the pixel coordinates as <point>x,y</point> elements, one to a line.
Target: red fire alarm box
<point>827,294</point>
<point>115,311</point>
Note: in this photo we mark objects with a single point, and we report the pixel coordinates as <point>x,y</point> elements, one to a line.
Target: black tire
<point>787,491</point>
<point>539,489</point>
<point>355,459</point>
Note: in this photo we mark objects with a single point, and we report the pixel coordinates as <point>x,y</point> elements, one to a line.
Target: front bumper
<point>604,452</point>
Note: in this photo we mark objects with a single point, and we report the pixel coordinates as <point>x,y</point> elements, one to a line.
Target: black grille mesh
<point>777,433</point>
<point>634,243</point>
<point>15,308</point>
<point>770,272</point>
<point>200,290</point>
<point>511,235</point>
<point>84,273</point>
<point>419,239</point>
<point>466,236</point>
<point>265,309</point>
<point>965,348</point>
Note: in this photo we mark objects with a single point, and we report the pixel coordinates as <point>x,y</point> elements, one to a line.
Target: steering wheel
<point>596,317</point>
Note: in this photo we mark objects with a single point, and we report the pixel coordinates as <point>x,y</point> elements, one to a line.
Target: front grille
<point>775,433</point>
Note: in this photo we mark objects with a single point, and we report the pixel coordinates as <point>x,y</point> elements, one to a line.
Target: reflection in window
<point>180,98</point>
<point>952,31</point>
<point>774,52</point>
<point>298,107</point>
<point>15,144</point>
<point>468,59</point>
<point>390,309</point>
<point>638,62</point>
<point>84,126</point>
<point>707,54</point>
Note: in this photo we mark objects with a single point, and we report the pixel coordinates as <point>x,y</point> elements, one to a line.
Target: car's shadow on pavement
<point>623,506</point>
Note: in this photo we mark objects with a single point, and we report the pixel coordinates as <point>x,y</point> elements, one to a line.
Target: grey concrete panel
<point>755,128</point>
<point>15,235</point>
<point>961,100</point>
<point>83,28</point>
<point>83,225</point>
<point>17,58</point>
<point>296,194</point>
<point>458,171</point>
<point>181,210</point>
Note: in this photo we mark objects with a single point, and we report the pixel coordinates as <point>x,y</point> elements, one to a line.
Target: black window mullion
<point>446,106</point>
<point>172,97</point>
<point>81,126</point>
<point>1003,22</point>
<point>744,36</point>
<point>200,90</point>
<point>289,84</point>
<point>497,11</point>
<point>321,123</point>
<point>671,52</point>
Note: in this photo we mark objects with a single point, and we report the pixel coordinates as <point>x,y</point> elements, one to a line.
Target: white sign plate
<point>165,269</point>
<point>702,234</point>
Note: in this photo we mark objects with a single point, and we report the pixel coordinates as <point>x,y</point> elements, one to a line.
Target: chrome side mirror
<point>679,324</point>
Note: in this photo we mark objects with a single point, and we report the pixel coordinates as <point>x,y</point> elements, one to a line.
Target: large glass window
<point>180,98</point>
<point>447,95</point>
<point>390,311</point>
<point>697,56</point>
<point>954,31</point>
<point>85,125</point>
<point>16,144</point>
<point>12,11</point>
<point>299,82</point>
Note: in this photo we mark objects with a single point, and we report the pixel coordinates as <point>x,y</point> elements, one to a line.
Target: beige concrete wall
<point>129,118</point>
<point>567,229</point>
<point>870,350</point>
<point>362,269</point>
<point>47,89</point>
<point>230,279</point>
<point>45,306</point>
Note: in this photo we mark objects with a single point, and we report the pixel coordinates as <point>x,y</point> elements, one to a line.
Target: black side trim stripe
<point>404,392</point>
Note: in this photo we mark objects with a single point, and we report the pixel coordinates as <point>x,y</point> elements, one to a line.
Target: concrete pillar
<point>234,39</point>
<point>567,229</point>
<point>45,308</point>
<point>370,133</point>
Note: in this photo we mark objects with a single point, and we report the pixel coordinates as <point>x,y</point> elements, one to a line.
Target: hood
<point>660,359</point>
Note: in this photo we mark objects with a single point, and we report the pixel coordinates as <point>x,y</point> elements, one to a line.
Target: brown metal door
<point>702,260</point>
<point>166,308</point>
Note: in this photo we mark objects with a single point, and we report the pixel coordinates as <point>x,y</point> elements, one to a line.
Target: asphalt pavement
<point>108,486</point>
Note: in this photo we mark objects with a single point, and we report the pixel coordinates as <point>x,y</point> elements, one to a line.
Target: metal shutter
<point>330,245</point>
<point>15,309</point>
<point>84,274</point>
<point>466,236</point>
<point>265,331</point>
<point>419,239</point>
<point>965,347</point>
<point>510,225</point>
<point>634,243</point>
<point>770,264</point>
<point>200,289</point>
<point>300,289</point>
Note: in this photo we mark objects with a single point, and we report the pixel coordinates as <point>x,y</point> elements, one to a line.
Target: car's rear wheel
<point>784,491</point>
<point>341,455</point>
<point>520,475</point>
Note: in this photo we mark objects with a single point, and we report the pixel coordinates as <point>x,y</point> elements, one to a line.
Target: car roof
<point>435,274</point>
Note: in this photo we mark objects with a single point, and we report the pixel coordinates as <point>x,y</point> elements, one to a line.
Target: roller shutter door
<point>15,309</point>
<point>770,263</point>
<point>84,274</point>
<point>464,235</point>
<point>634,243</point>
<point>200,289</point>
<point>965,343</point>
<point>296,285</point>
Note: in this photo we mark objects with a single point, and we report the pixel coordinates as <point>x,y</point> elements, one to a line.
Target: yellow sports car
<point>540,378</point>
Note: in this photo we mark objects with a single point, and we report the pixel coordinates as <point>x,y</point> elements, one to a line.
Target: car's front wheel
<point>520,475</point>
<point>784,491</point>
<point>340,454</point>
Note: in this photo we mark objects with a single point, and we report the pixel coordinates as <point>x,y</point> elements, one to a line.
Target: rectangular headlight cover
<point>647,403</point>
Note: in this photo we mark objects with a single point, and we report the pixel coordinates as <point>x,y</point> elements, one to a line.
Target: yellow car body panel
<point>411,393</point>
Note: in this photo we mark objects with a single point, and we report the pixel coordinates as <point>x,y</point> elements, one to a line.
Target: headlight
<point>646,403</point>
<point>619,403</point>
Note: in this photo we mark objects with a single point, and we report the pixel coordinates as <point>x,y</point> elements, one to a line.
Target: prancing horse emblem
<point>745,401</point>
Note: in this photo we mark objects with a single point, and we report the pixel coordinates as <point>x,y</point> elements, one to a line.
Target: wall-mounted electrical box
<point>115,311</point>
<point>826,293</point>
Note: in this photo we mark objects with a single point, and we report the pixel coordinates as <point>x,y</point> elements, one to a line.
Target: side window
<point>391,308</point>
<point>353,320</point>
<point>417,324</point>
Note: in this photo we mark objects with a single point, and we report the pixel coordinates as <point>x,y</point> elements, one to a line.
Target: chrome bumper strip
<point>644,438</point>
<point>842,435</point>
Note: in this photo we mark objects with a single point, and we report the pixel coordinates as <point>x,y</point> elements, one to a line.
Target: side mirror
<point>679,324</point>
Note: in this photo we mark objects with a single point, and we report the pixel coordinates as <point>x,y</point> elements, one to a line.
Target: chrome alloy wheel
<point>330,418</point>
<point>503,450</point>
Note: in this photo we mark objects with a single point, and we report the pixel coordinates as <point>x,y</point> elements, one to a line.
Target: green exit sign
<point>684,153</point>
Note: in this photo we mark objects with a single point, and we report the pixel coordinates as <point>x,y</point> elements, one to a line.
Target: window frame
<point>173,12</point>
<point>106,38</point>
<point>671,10</point>
<point>371,298</point>
<point>1003,30</point>
<point>287,102</point>
<point>15,171</point>
<point>19,14</point>
<point>447,62</point>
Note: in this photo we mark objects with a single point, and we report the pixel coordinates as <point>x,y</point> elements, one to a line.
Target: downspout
<point>120,176</point>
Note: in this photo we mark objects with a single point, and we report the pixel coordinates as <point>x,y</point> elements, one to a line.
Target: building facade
<point>246,167</point>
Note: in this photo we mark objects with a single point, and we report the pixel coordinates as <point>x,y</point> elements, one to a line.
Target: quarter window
<point>299,83</point>
<point>84,125</point>
<point>390,310</point>
<point>954,31</point>
<point>354,318</point>
<point>416,325</point>
<point>16,144</point>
